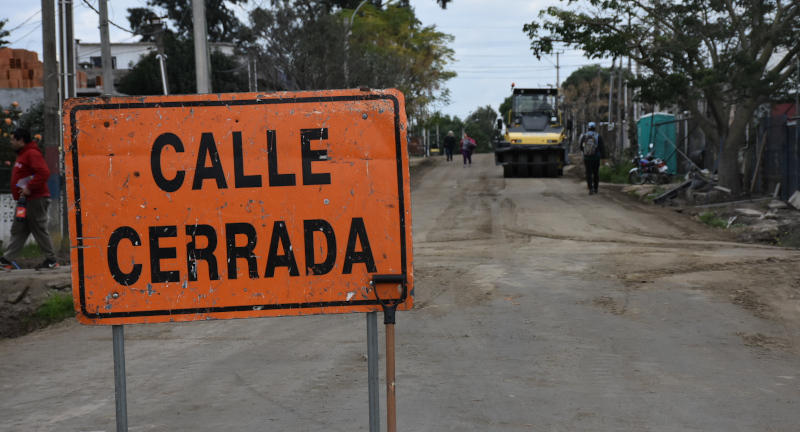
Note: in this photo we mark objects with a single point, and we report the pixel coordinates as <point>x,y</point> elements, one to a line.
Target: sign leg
<point>373,381</point>
<point>119,378</point>
<point>391,408</point>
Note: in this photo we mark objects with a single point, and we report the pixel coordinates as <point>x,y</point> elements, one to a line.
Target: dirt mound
<point>21,294</point>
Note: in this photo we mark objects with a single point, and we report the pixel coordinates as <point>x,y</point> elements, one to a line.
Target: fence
<point>778,162</point>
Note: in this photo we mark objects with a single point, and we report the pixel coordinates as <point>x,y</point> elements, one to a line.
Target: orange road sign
<point>196,207</point>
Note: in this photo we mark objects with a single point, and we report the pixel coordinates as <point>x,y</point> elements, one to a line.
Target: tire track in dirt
<point>700,268</point>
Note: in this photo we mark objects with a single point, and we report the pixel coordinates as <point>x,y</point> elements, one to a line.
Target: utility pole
<point>618,126</point>
<point>438,144</point>
<point>52,123</point>
<point>346,50</point>
<point>68,90</point>
<point>105,50</point>
<point>599,85</point>
<point>66,49</point>
<point>72,63</point>
<point>797,128</point>
<point>201,61</point>
<point>611,89</point>
<point>348,23</point>
<point>157,26</point>
<point>558,80</point>
<point>629,117</point>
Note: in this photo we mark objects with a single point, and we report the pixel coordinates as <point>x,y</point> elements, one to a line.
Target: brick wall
<point>20,69</point>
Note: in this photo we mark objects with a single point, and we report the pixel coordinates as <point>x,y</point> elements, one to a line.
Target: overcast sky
<point>490,47</point>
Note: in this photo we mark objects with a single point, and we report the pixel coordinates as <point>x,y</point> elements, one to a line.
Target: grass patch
<point>710,218</point>
<point>615,174</point>
<point>30,250</point>
<point>789,238</point>
<point>655,193</point>
<point>55,308</point>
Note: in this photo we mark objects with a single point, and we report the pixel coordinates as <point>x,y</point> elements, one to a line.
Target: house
<point>124,55</point>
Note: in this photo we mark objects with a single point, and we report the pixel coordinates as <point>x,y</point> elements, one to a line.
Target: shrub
<point>710,218</point>
<point>55,308</point>
<point>615,173</point>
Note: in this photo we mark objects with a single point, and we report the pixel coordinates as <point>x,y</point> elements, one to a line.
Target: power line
<point>111,22</point>
<point>27,34</point>
<point>503,67</point>
<point>30,18</point>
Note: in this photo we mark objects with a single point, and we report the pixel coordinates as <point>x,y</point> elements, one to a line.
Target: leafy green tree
<point>352,4</point>
<point>482,127</point>
<point>144,77</point>
<point>301,46</point>
<point>445,124</point>
<point>391,48</point>
<point>506,107</point>
<point>720,60</point>
<point>222,24</point>
<point>141,21</point>
<point>9,120</point>
<point>33,120</point>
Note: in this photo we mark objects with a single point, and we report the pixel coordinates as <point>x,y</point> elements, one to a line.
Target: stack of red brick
<point>20,69</point>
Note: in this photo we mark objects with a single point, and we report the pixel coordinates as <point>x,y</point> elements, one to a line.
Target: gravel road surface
<point>538,308</point>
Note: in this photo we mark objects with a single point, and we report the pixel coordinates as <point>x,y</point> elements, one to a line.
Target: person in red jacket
<point>29,179</point>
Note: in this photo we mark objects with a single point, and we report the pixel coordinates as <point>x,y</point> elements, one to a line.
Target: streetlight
<point>464,129</point>
<point>349,25</point>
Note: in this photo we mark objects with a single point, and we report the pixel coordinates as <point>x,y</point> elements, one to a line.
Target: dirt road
<point>539,308</point>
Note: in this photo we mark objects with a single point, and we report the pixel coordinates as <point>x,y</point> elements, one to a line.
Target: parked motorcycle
<point>648,169</point>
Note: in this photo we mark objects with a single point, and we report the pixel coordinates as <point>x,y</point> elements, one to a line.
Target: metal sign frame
<point>75,110</point>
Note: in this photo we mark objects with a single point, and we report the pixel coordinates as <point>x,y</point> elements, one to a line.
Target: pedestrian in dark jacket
<point>29,180</point>
<point>593,152</point>
<point>449,145</point>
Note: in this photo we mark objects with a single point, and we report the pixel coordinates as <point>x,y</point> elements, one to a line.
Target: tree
<point>718,59</point>
<point>445,124</point>
<point>3,33</point>
<point>9,120</point>
<point>301,46</point>
<point>144,77</point>
<point>506,107</point>
<point>586,94</point>
<point>482,127</point>
<point>222,24</point>
<point>391,48</point>
<point>352,4</point>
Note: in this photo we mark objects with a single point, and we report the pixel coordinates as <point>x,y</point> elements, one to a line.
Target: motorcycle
<point>648,169</point>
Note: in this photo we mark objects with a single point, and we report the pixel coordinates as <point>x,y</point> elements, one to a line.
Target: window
<point>97,62</point>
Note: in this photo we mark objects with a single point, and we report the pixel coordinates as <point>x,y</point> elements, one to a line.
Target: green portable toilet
<point>659,129</point>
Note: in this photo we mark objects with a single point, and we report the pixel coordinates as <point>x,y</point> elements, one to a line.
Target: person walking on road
<point>467,147</point>
<point>593,152</point>
<point>29,180</point>
<point>449,145</point>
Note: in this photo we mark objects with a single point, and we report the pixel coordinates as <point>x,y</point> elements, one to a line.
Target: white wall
<point>129,53</point>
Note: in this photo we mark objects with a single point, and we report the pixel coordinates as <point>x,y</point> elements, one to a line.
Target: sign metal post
<point>373,381</point>
<point>120,390</point>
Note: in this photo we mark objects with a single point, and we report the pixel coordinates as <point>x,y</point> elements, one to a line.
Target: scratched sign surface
<point>197,207</point>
